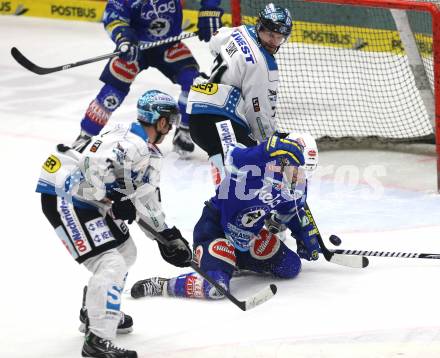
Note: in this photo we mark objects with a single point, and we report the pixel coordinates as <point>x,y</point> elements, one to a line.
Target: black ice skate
<point>155,286</point>
<point>97,347</point>
<point>182,142</point>
<point>125,323</point>
<point>81,141</point>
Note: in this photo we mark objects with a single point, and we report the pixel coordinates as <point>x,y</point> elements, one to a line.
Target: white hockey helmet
<point>310,151</point>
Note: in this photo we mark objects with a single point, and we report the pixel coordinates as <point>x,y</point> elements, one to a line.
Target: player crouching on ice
<point>264,185</point>
<point>87,196</point>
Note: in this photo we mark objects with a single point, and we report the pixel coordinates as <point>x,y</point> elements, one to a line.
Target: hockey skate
<point>155,286</point>
<point>81,141</point>
<point>182,142</point>
<point>125,323</point>
<point>97,347</point>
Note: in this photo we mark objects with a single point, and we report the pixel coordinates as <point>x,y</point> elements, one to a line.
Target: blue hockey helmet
<point>275,18</point>
<point>154,104</point>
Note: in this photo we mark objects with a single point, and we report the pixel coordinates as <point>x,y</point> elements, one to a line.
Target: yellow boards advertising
<point>55,9</point>
<point>83,10</point>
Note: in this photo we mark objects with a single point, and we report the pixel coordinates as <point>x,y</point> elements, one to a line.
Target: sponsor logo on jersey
<point>73,227</point>
<point>264,246</point>
<point>198,253</point>
<point>95,146</point>
<point>244,46</point>
<point>148,14</point>
<point>52,164</point>
<point>99,231</point>
<point>159,27</point>
<point>239,237</point>
<point>256,104</point>
<point>206,88</point>
<point>265,195</point>
<point>223,250</point>
<point>120,153</point>
<point>124,71</point>
<point>250,216</point>
<point>272,95</point>
<point>177,52</point>
<point>226,134</point>
<point>231,49</point>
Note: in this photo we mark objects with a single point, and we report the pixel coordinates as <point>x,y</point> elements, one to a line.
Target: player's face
<point>271,40</point>
<point>163,127</point>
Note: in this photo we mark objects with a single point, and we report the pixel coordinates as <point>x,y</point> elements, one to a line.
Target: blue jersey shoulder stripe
<point>270,60</point>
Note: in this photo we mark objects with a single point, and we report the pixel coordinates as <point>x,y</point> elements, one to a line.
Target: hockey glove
<point>273,225</point>
<point>210,19</point>
<point>178,253</point>
<point>122,207</point>
<point>277,147</point>
<point>127,43</point>
<point>307,243</point>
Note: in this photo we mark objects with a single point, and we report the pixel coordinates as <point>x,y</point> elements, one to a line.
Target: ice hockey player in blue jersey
<point>263,192</point>
<point>129,23</point>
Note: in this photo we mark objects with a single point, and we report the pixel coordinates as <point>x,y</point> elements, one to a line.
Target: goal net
<point>344,72</point>
<point>348,71</point>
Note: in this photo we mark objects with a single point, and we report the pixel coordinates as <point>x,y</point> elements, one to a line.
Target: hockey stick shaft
<point>403,255</point>
<point>332,255</point>
<point>26,63</point>
<point>248,304</point>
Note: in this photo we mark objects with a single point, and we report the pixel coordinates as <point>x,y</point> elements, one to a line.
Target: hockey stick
<point>402,255</point>
<point>332,255</point>
<point>26,63</point>
<point>251,302</point>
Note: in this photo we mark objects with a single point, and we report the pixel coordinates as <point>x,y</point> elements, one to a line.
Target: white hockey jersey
<point>243,84</point>
<point>118,158</point>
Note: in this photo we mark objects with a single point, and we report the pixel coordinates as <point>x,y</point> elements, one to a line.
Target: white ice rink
<point>371,199</point>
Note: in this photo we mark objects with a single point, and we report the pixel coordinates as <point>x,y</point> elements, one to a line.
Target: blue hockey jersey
<point>152,20</point>
<point>250,191</point>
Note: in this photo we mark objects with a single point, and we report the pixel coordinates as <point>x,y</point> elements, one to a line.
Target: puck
<point>335,240</point>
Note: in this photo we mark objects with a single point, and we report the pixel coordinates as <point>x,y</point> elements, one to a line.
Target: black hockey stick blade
<point>330,256</point>
<point>24,61</point>
<point>249,303</point>
<point>29,65</point>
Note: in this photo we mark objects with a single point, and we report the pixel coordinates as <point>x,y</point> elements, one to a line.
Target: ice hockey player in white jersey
<point>243,84</point>
<point>87,197</point>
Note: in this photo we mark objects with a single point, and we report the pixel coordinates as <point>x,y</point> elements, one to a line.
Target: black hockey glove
<point>122,207</point>
<point>209,20</point>
<point>178,253</point>
<point>127,43</point>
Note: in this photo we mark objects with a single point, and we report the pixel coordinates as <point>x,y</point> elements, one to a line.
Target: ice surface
<point>371,199</point>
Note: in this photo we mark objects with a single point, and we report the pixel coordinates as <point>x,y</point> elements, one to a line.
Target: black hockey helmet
<point>275,18</point>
